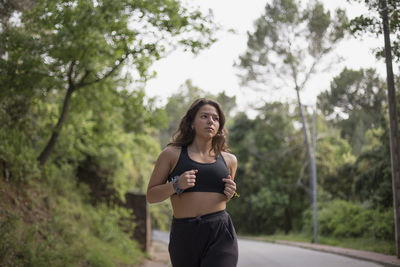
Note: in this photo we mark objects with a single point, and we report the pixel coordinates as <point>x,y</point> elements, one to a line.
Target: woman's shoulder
<point>170,155</point>
<point>171,152</point>
<point>229,157</point>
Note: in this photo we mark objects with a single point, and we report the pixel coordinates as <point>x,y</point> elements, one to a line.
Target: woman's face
<point>206,121</point>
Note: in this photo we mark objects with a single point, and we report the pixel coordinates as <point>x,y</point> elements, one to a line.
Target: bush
<point>37,244</point>
<point>47,225</point>
<point>17,158</point>
<point>340,218</point>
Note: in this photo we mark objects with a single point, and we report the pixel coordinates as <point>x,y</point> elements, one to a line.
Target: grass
<point>41,225</point>
<point>367,244</point>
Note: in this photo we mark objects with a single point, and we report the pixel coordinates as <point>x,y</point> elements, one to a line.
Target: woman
<point>200,174</point>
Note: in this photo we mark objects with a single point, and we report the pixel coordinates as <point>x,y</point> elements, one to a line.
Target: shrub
<point>17,158</point>
<point>339,218</point>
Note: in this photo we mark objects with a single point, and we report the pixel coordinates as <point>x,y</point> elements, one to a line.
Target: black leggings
<point>203,241</point>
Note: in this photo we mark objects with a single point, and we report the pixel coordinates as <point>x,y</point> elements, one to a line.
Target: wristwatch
<point>176,186</point>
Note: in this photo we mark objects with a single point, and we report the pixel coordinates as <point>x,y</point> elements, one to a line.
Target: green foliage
<point>60,227</point>
<point>101,142</point>
<point>287,47</point>
<point>372,23</point>
<point>17,158</point>
<point>354,103</point>
<point>355,106</point>
<point>33,245</point>
<point>270,176</point>
<point>76,45</point>
<point>340,218</point>
<point>144,156</point>
<point>289,42</point>
<point>61,64</point>
<point>335,162</point>
<point>268,149</point>
<point>271,169</point>
<point>108,144</point>
<point>373,179</point>
<point>92,36</point>
<point>353,90</point>
<point>122,155</point>
<point>366,177</point>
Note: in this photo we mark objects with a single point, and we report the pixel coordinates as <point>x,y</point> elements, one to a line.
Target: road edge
<point>386,260</point>
<point>379,258</point>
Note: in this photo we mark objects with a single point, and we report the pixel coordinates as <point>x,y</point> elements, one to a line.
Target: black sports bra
<point>209,175</point>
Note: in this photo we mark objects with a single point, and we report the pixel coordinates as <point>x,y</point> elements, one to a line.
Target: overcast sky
<point>212,69</point>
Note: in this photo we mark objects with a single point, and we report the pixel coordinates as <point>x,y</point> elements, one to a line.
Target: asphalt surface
<point>263,254</point>
<point>257,253</point>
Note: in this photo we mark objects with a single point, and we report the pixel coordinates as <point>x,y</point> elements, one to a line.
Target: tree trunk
<point>394,146</point>
<point>56,132</point>
<point>306,141</point>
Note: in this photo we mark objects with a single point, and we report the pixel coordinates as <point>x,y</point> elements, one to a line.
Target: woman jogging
<point>197,172</point>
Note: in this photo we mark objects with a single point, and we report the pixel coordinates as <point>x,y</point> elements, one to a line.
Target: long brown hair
<point>184,136</point>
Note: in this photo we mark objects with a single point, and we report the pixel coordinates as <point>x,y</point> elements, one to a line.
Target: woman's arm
<point>230,185</point>
<point>157,189</point>
<point>232,165</point>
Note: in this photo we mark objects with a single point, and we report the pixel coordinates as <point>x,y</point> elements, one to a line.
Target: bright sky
<point>213,71</point>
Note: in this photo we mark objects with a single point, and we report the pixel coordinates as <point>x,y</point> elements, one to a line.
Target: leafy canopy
<point>289,42</point>
<point>372,23</point>
<point>80,42</point>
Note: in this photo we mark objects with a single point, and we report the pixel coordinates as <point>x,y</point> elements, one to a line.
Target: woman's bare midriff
<point>194,204</point>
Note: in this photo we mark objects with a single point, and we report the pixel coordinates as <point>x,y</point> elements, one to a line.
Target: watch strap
<point>176,186</point>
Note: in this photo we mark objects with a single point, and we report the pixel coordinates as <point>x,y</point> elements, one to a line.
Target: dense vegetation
<point>353,155</point>
<point>77,131</point>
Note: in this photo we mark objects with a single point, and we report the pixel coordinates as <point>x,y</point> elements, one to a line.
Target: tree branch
<point>121,60</point>
<point>71,84</point>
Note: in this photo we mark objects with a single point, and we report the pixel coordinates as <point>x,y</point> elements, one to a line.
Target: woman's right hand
<point>187,179</point>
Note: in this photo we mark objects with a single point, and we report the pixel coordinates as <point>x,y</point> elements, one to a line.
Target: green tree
<point>372,177</point>
<point>268,149</point>
<point>335,162</point>
<point>385,20</point>
<point>288,46</point>
<point>67,46</point>
<point>371,23</point>
<point>355,104</point>
<point>9,8</point>
<point>109,146</point>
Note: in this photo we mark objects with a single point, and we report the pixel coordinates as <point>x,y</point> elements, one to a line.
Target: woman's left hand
<point>230,187</point>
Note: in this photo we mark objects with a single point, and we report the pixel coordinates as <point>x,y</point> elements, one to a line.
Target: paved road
<point>263,254</point>
<point>160,236</point>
